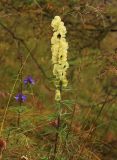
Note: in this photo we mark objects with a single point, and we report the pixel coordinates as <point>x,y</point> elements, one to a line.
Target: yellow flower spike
<point>59,55</point>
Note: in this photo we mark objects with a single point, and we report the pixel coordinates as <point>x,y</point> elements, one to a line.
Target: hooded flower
<point>55,23</point>
<point>29,80</point>
<point>58,95</point>
<point>20,97</point>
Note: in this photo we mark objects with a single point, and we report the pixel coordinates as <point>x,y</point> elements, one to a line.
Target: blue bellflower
<point>20,97</point>
<point>29,80</point>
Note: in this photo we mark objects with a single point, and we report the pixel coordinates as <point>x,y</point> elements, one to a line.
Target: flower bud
<point>57,95</point>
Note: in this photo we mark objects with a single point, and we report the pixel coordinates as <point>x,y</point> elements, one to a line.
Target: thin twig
<point>20,90</point>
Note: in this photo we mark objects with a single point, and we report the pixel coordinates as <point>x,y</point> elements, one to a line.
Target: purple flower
<point>29,80</point>
<point>20,97</point>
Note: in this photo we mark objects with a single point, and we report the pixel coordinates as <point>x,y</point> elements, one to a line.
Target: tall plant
<point>59,47</point>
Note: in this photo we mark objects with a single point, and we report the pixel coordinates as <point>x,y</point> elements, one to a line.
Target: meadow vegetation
<point>82,123</point>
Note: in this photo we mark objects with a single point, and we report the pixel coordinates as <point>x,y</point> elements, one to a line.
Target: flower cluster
<point>59,47</point>
<point>20,97</point>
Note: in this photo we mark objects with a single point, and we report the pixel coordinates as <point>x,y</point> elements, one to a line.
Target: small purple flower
<point>29,80</point>
<point>20,97</point>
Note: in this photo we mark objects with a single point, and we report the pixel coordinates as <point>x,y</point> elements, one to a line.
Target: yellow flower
<point>55,47</point>
<point>62,30</point>
<point>65,65</point>
<point>54,39</point>
<point>65,82</point>
<point>57,83</point>
<point>63,44</point>
<point>56,22</point>
<point>62,57</point>
<point>57,95</point>
<point>54,59</point>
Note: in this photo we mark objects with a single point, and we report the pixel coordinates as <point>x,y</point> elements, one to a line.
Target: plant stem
<point>33,98</point>
<point>57,136</point>
<point>70,127</point>
<point>58,126</point>
<point>20,88</point>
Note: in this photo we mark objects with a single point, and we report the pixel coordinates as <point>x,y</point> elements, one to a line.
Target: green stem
<point>56,138</point>
<point>58,126</point>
